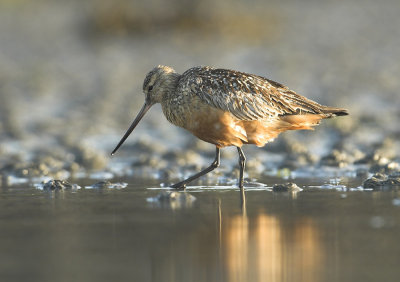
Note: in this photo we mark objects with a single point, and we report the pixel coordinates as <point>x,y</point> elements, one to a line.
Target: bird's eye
<point>150,87</point>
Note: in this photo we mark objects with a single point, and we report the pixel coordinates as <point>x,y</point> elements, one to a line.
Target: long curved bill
<point>140,115</point>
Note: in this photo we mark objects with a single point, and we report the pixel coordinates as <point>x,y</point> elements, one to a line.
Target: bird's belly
<point>223,129</point>
<point>207,123</point>
<point>217,127</point>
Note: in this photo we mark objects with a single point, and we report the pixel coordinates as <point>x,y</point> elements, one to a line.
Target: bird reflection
<point>266,248</point>
<point>227,245</point>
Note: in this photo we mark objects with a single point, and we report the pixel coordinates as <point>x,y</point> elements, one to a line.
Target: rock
<point>375,181</point>
<point>56,184</point>
<point>393,180</point>
<point>379,181</point>
<point>287,187</point>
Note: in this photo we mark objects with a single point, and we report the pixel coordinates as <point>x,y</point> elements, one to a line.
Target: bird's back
<point>247,96</point>
<point>250,108</point>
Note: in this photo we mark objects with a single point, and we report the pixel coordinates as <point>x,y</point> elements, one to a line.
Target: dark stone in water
<point>379,181</point>
<point>58,185</point>
<point>287,187</point>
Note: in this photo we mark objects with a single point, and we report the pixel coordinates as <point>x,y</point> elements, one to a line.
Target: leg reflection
<point>269,248</point>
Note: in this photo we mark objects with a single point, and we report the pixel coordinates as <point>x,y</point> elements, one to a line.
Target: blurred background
<point>71,75</point>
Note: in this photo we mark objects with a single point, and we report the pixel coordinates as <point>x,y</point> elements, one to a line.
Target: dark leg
<point>214,165</point>
<point>242,165</point>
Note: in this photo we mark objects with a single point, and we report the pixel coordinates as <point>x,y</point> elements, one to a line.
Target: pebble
<point>379,180</point>
<point>56,185</point>
<point>287,187</point>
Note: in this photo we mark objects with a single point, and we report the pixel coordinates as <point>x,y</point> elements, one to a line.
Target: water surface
<point>119,235</point>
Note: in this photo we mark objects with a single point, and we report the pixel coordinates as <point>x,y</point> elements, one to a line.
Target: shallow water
<point>125,234</point>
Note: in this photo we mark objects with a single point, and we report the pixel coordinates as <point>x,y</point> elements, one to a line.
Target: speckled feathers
<point>231,108</point>
<point>246,96</point>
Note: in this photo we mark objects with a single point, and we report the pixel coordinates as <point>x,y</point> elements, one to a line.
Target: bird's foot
<point>179,186</point>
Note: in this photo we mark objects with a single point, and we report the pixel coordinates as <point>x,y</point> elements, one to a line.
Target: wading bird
<point>228,108</point>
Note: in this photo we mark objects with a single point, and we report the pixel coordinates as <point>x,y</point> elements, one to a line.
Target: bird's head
<point>158,83</point>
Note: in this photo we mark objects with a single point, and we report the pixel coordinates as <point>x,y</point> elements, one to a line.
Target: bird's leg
<point>242,164</point>
<point>214,165</point>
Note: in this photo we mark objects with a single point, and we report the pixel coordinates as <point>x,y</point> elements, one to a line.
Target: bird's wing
<point>246,96</point>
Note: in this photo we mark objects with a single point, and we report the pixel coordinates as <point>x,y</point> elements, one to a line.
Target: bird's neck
<point>172,101</point>
<point>169,85</point>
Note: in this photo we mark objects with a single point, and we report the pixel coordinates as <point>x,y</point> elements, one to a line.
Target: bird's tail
<point>307,121</point>
<point>334,112</point>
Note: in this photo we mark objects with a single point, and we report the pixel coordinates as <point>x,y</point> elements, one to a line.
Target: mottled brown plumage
<point>228,108</point>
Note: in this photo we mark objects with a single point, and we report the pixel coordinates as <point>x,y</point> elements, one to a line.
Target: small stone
<point>379,180</point>
<point>392,181</point>
<point>287,187</point>
<point>375,181</point>
<point>56,184</point>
